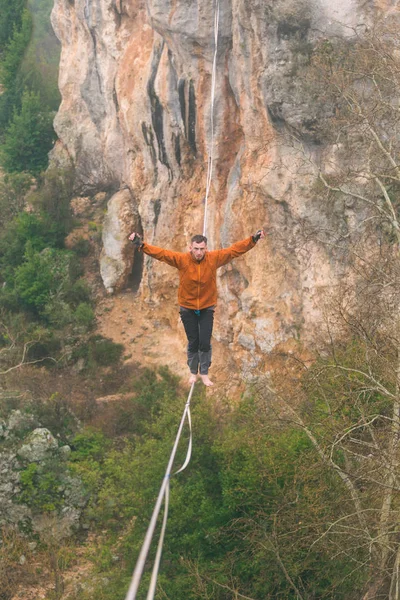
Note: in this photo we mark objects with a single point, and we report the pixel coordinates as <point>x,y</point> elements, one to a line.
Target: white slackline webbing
<point>163,494</point>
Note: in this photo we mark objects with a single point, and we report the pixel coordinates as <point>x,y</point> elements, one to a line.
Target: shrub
<point>41,486</point>
<point>13,189</point>
<point>53,200</point>
<point>48,344</point>
<point>104,352</point>
<point>57,312</point>
<point>99,351</point>
<point>42,275</point>
<point>88,444</point>
<point>78,293</point>
<point>36,229</point>
<point>82,247</point>
<point>9,299</point>
<point>84,315</point>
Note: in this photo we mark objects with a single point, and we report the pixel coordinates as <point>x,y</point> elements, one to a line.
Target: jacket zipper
<point>198,287</point>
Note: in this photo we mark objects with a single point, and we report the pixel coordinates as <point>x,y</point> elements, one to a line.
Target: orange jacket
<point>198,280</point>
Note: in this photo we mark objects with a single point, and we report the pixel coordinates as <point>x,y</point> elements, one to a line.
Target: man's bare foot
<point>192,378</point>
<point>206,380</point>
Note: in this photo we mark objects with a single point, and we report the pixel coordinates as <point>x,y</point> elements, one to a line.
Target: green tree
<point>53,200</point>
<point>29,55</point>
<point>11,19</point>
<point>15,51</point>
<point>42,275</point>
<point>40,486</point>
<point>29,137</point>
<point>10,76</point>
<point>37,230</point>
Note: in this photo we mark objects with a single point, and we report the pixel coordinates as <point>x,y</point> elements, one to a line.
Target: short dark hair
<point>198,239</point>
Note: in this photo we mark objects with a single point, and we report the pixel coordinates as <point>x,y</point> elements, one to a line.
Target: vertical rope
<point>163,494</point>
<point>211,144</point>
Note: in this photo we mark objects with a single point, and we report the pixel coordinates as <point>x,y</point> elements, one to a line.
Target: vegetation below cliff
<point>293,491</point>
<point>264,509</point>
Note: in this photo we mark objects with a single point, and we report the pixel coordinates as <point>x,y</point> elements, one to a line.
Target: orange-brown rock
<point>135,80</point>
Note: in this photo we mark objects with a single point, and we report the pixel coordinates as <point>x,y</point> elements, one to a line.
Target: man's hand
<point>260,234</point>
<point>136,239</point>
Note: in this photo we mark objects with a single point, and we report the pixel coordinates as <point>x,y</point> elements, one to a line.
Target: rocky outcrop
<point>116,259</point>
<point>135,79</point>
<point>10,512</point>
<point>38,445</point>
<point>25,447</point>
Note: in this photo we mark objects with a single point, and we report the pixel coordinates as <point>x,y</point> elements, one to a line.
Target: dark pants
<point>198,328</point>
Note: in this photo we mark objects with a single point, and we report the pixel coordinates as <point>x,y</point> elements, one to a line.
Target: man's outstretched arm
<point>227,254</point>
<point>173,259</point>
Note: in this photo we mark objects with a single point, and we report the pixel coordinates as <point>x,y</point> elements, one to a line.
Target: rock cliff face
<point>135,79</point>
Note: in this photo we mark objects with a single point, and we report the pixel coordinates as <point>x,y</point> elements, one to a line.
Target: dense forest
<point>292,491</point>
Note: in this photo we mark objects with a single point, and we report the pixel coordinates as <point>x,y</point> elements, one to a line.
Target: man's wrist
<point>137,241</point>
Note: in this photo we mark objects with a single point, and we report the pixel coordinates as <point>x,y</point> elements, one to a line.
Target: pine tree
<point>11,17</point>
<point>29,137</point>
<point>11,58</point>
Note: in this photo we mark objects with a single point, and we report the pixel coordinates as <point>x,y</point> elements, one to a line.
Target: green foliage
<point>57,312</point>
<point>29,56</point>
<point>99,351</point>
<point>82,247</point>
<point>249,516</point>
<point>10,77</point>
<point>22,337</point>
<point>11,18</point>
<point>84,315</point>
<point>78,293</point>
<point>28,138</point>
<point>42,275</point>
<point>41,486</point>
<point>39,67</point>
<point>338,387</point>
<point>89,448</point>
<point>88,444</point>
<point>15,51</point>
<point>53,200</point>
<point>103,351</point>
<point>230,512</point>
<point>26,229</point>
<point>135,415</point>
<point>13,189</point>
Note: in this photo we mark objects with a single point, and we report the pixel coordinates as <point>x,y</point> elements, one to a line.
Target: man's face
<point>198,250</point>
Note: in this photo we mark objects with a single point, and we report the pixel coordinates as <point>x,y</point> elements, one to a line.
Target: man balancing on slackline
<point>197,293</point>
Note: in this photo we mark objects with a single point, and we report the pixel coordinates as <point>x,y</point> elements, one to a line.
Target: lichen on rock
<point>38,445</point>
